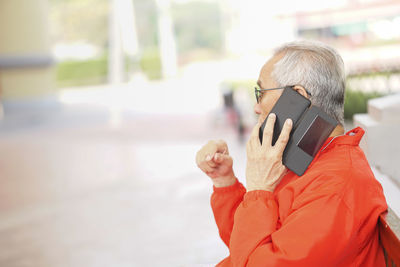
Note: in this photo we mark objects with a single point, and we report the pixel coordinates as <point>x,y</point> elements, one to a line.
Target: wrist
<point>224,181</point>
<point>262,188</point>
<point>250,186</point>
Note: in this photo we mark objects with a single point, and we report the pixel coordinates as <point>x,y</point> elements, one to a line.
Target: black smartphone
<point>289,105</point>
<point>311,127</point>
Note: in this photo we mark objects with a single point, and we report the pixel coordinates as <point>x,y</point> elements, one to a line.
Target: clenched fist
<point>214,160</point>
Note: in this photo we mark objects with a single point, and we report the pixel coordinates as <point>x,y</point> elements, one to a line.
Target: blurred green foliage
<point>147,30</point>
<point>78,73</point>
<point>150,63</point>
<point>80,20</point>
<point>374,74</point>
<point>197,25</point>
<point>357,102</point>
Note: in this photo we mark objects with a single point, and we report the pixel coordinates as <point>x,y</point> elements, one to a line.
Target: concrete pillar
<point>166,39</point>
<point>122,39</point>
<point>116,62</point>
<point>25,52</point>
<point>381,141</point>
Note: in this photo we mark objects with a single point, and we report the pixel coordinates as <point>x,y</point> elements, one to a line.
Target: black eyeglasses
<point>259,92</point>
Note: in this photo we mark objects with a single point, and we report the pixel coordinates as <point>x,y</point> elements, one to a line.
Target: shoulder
<point>345,171</point>
<point>345,163</point>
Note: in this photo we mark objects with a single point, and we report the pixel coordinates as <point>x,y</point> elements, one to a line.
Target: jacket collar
<point>352,137</point>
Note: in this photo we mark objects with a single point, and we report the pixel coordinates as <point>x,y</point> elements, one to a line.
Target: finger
<point>207,150</point>
<point>221,146</point>
<point>255,131</point>
<point>201,156</point>
<point>254,140</point>
<point>269,130</point>
<point>210,161</point>
<point>211,148</point>
<point>223,159</point>
<point>284,136</point>
<point>205,167</point>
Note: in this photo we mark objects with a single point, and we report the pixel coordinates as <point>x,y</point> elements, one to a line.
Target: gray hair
<point>316,67</point>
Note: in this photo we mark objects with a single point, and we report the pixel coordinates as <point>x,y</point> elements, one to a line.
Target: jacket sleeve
<point>224,202</point>
<point>315,233</point>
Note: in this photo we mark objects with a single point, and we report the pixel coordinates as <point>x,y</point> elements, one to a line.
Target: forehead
<point>265,79</point>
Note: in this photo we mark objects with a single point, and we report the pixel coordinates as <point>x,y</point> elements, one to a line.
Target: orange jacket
<point>326,217</point>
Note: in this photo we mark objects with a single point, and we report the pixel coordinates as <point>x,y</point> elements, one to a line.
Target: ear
<point>300,89</point>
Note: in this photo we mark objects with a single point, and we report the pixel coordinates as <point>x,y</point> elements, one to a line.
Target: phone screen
<point>315,136</point>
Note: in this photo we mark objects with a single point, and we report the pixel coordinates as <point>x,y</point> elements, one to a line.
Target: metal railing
<point>389,234</point>
<point>26,61</point>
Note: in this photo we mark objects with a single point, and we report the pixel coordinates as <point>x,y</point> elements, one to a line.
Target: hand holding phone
<point>264,168</point>
<point>311,127</point>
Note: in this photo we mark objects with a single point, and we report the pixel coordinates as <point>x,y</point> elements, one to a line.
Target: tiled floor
<point>96,194</point>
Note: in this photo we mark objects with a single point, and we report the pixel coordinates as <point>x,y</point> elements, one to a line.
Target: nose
<point>257,108</point>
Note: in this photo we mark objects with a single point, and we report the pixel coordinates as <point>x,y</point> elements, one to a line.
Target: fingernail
<point>289,122</point>
<point>208,158</point>
<point>272,115</point>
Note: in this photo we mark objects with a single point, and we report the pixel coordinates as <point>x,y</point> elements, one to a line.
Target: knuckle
<point>284,140</point>
<point>222,144</point>
<point>268,132</point>
<point>276,156</point>
<point>201,164</point>
<point>210,143</point>
<point>198,159</point>
<point>210,146</point>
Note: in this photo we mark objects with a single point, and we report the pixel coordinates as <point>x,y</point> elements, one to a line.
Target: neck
<point>339,130</point>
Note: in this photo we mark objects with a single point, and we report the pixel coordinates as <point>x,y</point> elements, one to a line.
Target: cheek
<point>266,107</point>
<point>265,110</point>
<point>268,104</point>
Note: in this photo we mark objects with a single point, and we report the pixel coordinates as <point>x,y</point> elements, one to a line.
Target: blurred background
<point>104,104</point>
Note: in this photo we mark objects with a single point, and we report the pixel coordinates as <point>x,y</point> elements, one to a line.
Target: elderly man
<point>326,217</point>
